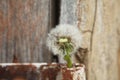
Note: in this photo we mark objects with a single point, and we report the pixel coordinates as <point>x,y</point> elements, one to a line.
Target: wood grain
<point>99,21</point>
<point>24,25</point>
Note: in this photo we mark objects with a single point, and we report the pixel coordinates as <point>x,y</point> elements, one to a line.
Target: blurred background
<point>24,25</point>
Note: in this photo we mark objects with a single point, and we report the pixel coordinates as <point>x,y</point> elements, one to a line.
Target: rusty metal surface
<point>41,71</point>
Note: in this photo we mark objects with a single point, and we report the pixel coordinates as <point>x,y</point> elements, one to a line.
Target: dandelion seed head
<point>64,30</point>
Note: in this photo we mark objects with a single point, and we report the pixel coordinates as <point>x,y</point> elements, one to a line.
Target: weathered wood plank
<point>105,43</point>
<point>68,12</point>
<point>23,29</point>
<point>99,21</point>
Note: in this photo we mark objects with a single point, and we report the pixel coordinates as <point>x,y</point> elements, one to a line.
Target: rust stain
<point>44,72</point>
<point>16,72</point>
<point>49,72</point>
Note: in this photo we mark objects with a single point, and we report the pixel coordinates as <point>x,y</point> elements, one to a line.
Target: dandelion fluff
<point>65,30</point>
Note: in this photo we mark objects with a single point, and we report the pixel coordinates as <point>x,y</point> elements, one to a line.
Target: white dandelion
<point>64,33</point>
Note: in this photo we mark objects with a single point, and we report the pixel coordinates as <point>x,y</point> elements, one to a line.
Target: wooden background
<point>24,25</point>
<point>100,22</point>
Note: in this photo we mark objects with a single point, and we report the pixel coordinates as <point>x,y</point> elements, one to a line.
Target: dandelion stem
<point>68,58</point>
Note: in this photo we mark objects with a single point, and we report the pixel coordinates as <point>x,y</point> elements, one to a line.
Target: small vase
<point>77,72</point>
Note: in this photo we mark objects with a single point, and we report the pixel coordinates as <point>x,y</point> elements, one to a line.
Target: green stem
<point>68,59</point>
